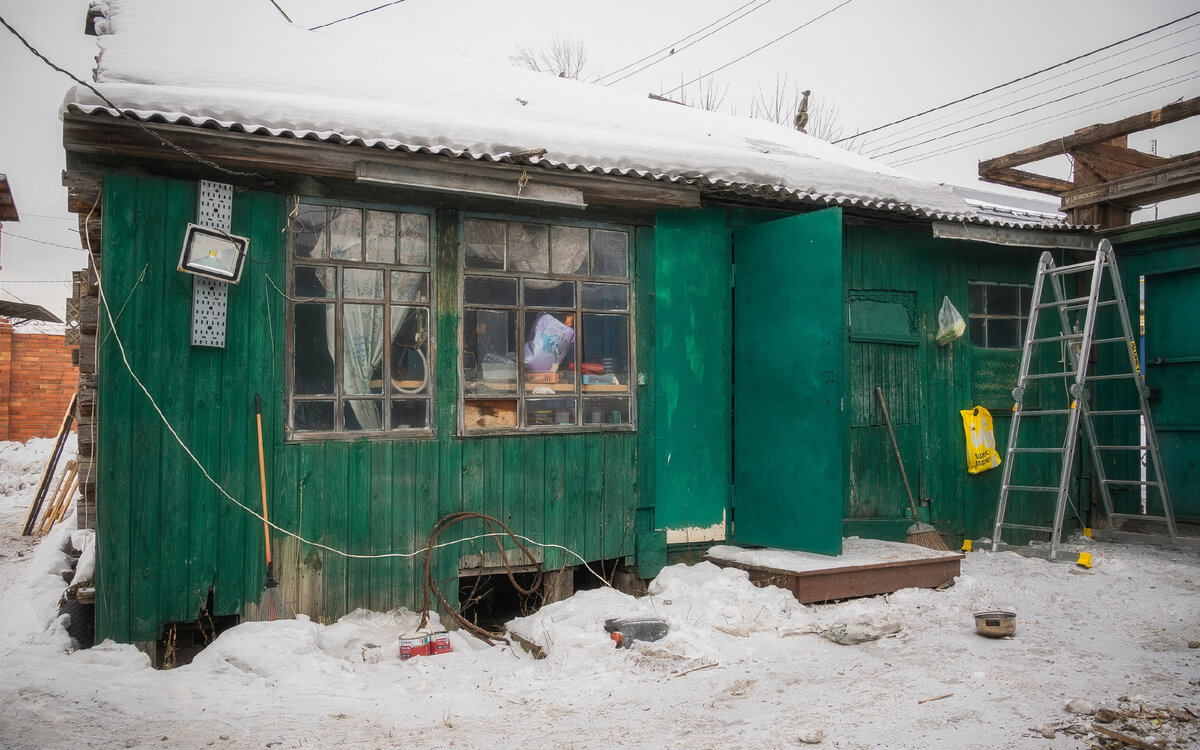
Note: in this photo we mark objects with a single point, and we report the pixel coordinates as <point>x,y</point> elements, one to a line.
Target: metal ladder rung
<point>1114,340</point>
<point>1114,412</point>
<point>1123,376</point>
<point>1131,482</point>
<point>1061,302</point>
<point>1028,488</point>
<point>1122,447</point>
<point>1038,450</point>
<point>1137,516</point>
<point>1074,268</point>
<point>1048,339</point>
<point>1042,412</point>
<point>1105,303</point>
<point>1026,526</point>
<point>1047,375</point>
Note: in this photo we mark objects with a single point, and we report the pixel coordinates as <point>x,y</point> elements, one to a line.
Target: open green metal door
<point>789,465</point>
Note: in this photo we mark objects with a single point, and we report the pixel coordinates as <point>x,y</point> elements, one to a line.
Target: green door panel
<point>789,423</point>
<point>1172,362</point>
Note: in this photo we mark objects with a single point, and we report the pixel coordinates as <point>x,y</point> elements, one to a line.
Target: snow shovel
<point>920,534</point>
<point>270,605</point>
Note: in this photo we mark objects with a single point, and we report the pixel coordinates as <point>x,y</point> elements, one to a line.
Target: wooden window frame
<point>1022,316</point>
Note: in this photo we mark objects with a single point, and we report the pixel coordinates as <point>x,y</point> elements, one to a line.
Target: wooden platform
<point>868,568</point>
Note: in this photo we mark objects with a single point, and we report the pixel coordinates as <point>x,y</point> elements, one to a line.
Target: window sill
<point>302,438</point>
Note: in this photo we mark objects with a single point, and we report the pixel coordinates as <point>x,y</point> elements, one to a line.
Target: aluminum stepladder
<point>1079,344</point>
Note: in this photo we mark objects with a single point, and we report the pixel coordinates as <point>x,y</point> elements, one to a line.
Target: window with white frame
<point>998,314</point>
<point>547,336</point>
<point>360,358</point>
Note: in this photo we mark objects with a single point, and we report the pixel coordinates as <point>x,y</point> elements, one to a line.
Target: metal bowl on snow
<point>996,624</point>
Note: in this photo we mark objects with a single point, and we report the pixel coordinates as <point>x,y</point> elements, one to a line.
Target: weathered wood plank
<point>313,488</point>
<point>337,528</point>
<point>383,505</point>
<point>359,501</point>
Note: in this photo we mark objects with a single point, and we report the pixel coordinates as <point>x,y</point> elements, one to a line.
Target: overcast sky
<point>873,61</point>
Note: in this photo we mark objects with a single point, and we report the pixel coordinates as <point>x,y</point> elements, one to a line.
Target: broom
<point>271,602</point>
<point>920,534</point>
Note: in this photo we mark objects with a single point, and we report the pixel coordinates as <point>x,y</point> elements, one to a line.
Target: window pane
<point>345,234</point>
<point>309,238</point>
<point>605,296</point>
<point>1026,299</point>
<point>362,350</point>
<point>1002,299</point>
<point>313,331</point>
<point>315,281</point>
<point>489,290</point>
<point>490,351</point>
<point>606,411</point>
<point>361,414</point>
<point>410,350</point>
<point>568,250</point>
<point>605,352</point>
<point>528,247</point>
<point>485,415</point>
<point>549,355</point>
<point>979,332</point>
<point>362,283</point>
<point>1002,333</point>
<point>976,298</point>
<point>484,244</point>
<point>410,286</point>
<point>380,237</point>
<point>414,239</point>
<point>312,416</point>
<point>547,293</point>
<point>541,412</point>
<point>410,414</point>
<point>610,253</point>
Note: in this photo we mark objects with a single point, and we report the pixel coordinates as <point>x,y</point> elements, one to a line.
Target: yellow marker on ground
<point>1085,559</point>
<point>966,545</point>
<point>1087,532</point>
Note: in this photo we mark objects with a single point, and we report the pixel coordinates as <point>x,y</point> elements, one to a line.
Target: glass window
<point>547,346</point>
<point>361,321</point>
<point>998,314</point>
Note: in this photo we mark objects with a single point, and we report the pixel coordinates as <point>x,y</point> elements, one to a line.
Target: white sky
<point>876,60</point>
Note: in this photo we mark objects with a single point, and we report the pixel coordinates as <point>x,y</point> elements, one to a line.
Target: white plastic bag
<point>950,324</point>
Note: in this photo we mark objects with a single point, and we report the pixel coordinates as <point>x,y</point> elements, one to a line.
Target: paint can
<point>414,644</point>
<point>439,643</point>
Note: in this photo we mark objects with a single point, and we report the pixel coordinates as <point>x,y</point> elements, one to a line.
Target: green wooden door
<point>789,430</point>
<point>1172,359</point>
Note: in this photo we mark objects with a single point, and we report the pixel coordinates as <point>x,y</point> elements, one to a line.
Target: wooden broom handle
<point>903,475</point>
<point>262,475</point>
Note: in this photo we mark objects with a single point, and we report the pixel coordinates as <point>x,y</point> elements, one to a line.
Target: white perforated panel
<point>209,297</point>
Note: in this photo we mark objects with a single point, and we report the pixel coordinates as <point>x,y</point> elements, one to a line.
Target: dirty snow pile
<point>1096,650</point>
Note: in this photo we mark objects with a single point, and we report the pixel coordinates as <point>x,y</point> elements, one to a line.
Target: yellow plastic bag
<point>981,442</point>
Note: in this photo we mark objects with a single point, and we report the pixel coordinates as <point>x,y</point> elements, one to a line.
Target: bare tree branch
<point>563,57</point>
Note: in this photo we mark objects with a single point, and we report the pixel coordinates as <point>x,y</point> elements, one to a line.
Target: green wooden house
<point>620,326</point>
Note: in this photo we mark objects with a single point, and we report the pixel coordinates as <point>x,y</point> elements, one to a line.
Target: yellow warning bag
<point>981,442</point>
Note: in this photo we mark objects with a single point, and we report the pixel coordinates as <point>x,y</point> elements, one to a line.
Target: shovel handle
<point>903,475</point>
<point>262,477</point>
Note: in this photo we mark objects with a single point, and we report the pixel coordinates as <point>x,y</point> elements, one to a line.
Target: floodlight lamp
<point>213,254</point>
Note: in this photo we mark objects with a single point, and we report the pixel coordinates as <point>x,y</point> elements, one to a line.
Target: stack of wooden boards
<point>42,515</point>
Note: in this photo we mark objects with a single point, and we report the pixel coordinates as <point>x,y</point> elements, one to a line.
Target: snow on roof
<point>1015,211</point>
<point>241,66</point>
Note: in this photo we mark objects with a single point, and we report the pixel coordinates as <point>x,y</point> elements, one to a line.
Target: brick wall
<point>37,381</point>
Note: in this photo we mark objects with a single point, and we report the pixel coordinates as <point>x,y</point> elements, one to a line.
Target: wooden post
<point>558,585</point>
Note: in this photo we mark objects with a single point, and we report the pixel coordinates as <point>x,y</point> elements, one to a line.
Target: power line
<point>281,12</point>
<point>899,135</point>
<point>41,242</point>
<point>1022,78</point>
<point>356,15</point>
<point>691,43</point>
<point>1036,106</point>
<point>672,45</point>
<point>758,49</point>
<point>932,131</point>
<point>120,112</point>
<point>35,281</point>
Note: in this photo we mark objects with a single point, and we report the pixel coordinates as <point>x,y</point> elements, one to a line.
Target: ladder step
<point>1114,340</point>
<point>1122,447</point>
<point>1036,450</point>
<point>1115,412</point>
<point>1105,303</point>
<point>1047,375</point>
<point>1043,412</point>
<point>1131,482</point>
<point>1121,376</point>
<point>1026,527</point>
<point>1027,488</point>
<point>1137,516</point>
<point>1068,337</point>
<point>1060,303</point>
<point>1073,268</point>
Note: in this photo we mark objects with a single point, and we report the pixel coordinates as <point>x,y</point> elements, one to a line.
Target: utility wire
<point>1036,106</point>
<point>281,11</point>
<point>41,242</point>
<point>120,112</point>
<point>672,45</point>
<point>932,131</point>
<point>689,44</point>
<point>899,135</point>
<point>1022,78</point>
<point>356,15</point>
<point>758,49</point>
<point>36,281</point>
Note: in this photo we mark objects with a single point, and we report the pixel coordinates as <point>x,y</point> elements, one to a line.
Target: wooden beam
<point>271,156</point>
<point>1121,154</point>
<point>1094,134</point>
<point>1029,181</point>
<point>1147,186</point>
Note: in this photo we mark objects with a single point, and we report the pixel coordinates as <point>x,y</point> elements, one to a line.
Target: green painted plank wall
<point>167,537</point>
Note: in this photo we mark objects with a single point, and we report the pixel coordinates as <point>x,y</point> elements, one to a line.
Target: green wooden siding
<point>167,536</point>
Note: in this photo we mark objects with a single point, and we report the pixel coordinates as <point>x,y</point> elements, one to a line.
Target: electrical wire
<point>122,113</point>
<point>356,15</point>
<point>674,44</point>
<point>1018,80</point>
<point>281,11</point>
<point>225,493</point>
<point>689,44</point>
<point>758,49</point>
<point>1036,106</point>
<point>41,242</point>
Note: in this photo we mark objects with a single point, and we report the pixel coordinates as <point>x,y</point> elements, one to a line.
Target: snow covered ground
<point>741,667</point>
